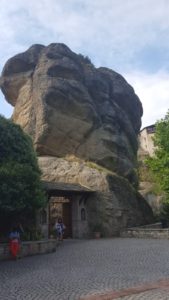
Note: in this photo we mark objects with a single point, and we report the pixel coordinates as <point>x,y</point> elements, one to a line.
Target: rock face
<point>115,203</point>
<point>69,107</point>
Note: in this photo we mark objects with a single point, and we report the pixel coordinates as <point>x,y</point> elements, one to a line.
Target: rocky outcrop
<point>71,170</point>
<point>115,202</point>
<point>72,109</point>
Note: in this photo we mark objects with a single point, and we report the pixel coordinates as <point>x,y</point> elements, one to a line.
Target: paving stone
<point>85,267</point>
<point>151,295</point>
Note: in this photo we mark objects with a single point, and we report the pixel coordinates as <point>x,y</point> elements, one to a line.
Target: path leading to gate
<point>128,269</point>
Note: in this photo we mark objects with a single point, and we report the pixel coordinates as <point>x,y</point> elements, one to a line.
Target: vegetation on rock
<point>86,59</point>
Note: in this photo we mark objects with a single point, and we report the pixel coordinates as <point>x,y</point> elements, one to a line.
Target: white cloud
<point>109,29</point>
<point>111,32</point>
<point>153,91</point>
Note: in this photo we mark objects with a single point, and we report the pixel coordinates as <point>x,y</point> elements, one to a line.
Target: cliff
<point>84,121</point>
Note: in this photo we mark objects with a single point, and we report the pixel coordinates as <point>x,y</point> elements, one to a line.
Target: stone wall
<point>79,223</point>
<point>146,142</point>
<point>152,226</point>
<point>146,233</point>
<point>29,248</point>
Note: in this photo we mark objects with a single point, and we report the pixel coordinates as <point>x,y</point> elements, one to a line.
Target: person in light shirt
<point>60,227</point>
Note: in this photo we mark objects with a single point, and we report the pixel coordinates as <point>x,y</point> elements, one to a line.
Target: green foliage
<point>20,187</point>
<point>98,227</point>
<point>159,164</point>
<point>161,138</point>
<point>144,172</point>
<point>97,167</point>
<point>85,59</point>
<point>32,234</point>
<point>147,175</point>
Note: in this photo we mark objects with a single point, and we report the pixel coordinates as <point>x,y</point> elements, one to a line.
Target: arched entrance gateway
<point>68,201</point>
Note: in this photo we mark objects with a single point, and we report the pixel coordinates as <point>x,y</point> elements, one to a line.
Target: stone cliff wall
<point>83,120</point>
<point>70,107</point>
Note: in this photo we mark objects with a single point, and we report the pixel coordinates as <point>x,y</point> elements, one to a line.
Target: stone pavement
<point>153,295</point>
<point>157,290</point>
<point>127,269</point>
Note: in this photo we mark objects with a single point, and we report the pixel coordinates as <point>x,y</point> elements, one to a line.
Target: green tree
<point>20,186</point>
<point>159,163</point>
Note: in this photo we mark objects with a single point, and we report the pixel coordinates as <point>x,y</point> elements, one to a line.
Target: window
<point>43,217</point>
<point>83,214</point>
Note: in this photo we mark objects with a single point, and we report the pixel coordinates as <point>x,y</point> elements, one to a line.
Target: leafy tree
<point>159,163</point>
<point>86,59</point>
<point>20,186</point>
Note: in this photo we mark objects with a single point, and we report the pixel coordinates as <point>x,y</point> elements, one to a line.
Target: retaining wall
<point>29,248</point>
<point>146,233</point>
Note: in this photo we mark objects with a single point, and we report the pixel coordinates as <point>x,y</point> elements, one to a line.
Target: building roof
<point>55,188</point>
<point>148,128</point>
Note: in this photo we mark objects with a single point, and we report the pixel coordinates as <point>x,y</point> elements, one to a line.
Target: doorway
<point>61,207</point>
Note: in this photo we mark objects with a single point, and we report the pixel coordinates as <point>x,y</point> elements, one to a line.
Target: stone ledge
<point>145,233</point>
<point>30,248</point>
<point>149,226</point>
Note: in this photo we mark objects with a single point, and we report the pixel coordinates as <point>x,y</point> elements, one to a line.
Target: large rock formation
<point>72,109</point>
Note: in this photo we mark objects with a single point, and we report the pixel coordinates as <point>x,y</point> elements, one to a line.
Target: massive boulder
<point>72,109</point>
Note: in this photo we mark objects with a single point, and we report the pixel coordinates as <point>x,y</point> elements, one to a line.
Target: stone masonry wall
<point>29,248</point>
<point>146,233</point>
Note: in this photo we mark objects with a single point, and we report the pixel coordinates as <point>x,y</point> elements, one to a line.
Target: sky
<point>129,36</point>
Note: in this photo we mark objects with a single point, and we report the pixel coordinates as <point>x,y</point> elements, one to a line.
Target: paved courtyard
<point>128,269</point>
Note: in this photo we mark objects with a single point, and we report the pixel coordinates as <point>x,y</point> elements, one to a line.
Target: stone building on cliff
<point>146,143</point>
<point>84,123</point>
<point>147,185</point>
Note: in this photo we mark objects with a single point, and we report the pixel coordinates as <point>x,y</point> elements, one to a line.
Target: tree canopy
<point>20,186</point>
<point>159,163</point>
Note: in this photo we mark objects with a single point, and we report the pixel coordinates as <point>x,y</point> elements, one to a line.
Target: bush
<point>21,193</point>
<point>20,186</point>
<point>86,59</point>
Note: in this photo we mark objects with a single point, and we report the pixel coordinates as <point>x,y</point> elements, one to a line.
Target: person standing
<point>60,227</point>
<point>14,242</point>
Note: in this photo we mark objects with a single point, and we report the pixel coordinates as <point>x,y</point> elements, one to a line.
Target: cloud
<point>153,91</point>
<point>127,36</point>
<point>113,31</point>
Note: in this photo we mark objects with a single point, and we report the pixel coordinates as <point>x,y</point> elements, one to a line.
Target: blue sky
<point>128,36</point>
